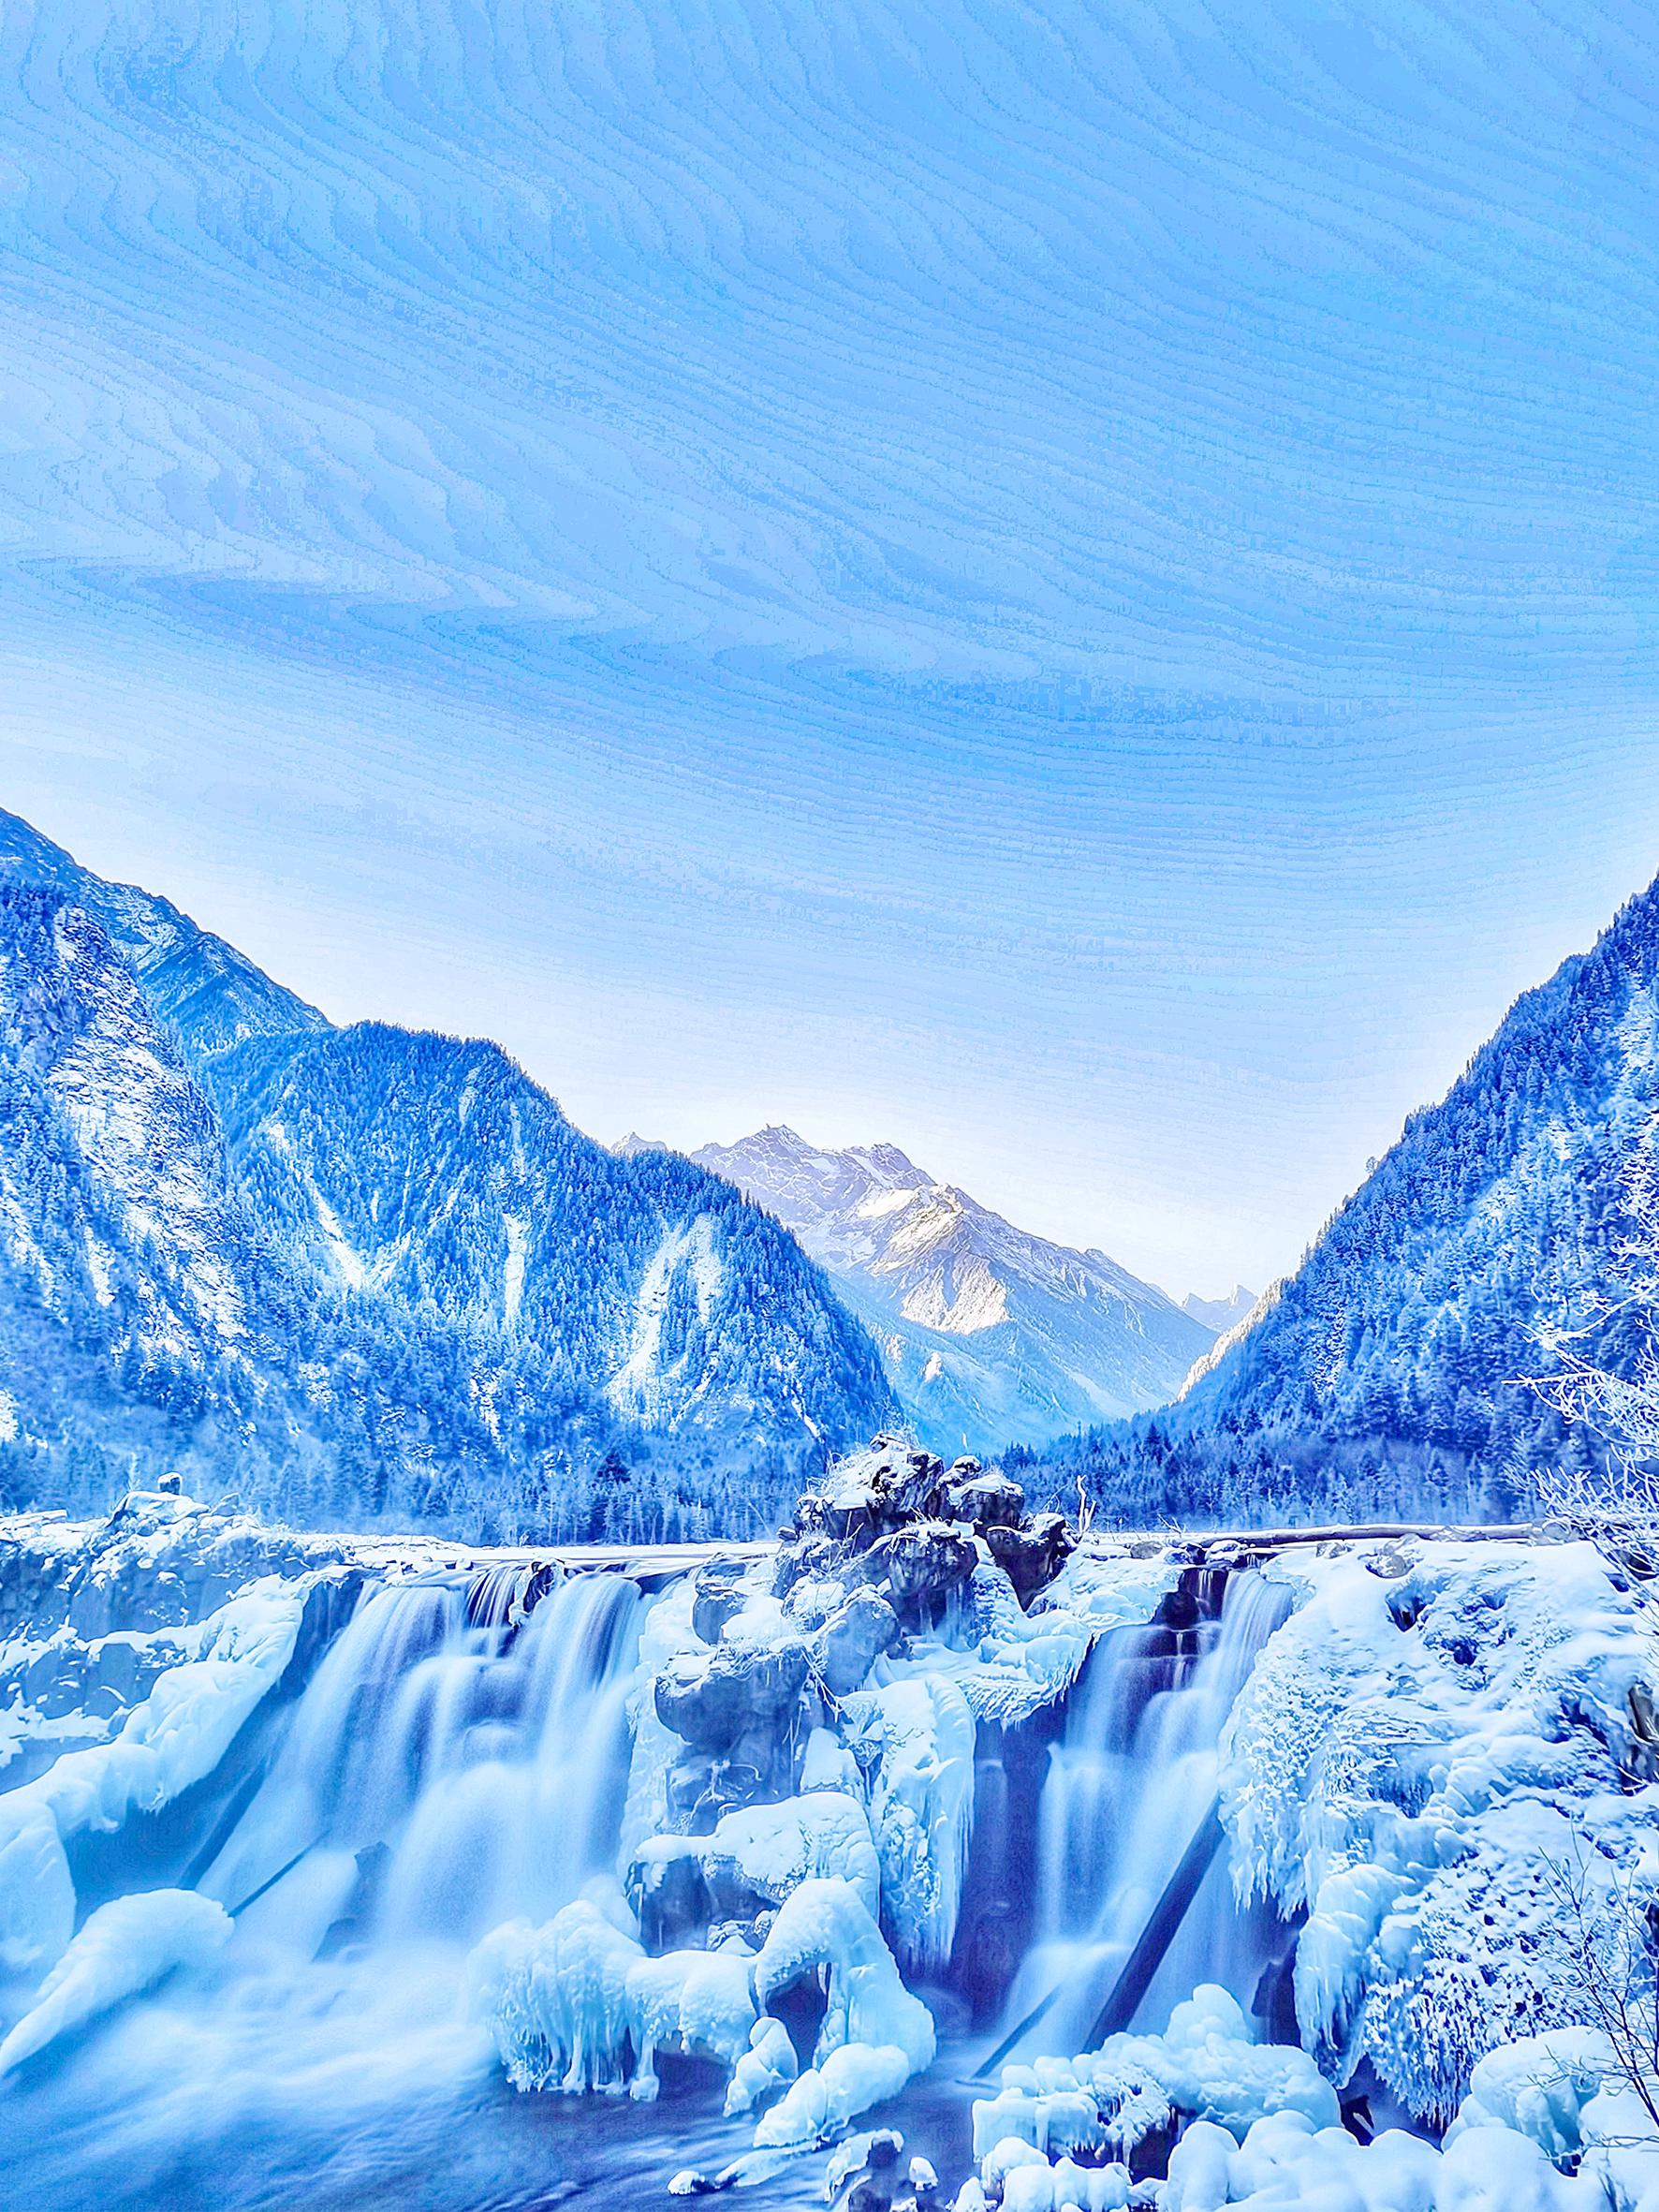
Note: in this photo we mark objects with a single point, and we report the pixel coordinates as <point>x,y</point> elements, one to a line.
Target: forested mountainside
<point>1390,1371</point>
<point>365,1275</point>
<point>209,993</point>
<point>992,1335</point>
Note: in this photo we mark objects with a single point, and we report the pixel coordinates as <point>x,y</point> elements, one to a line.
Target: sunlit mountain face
<point>992,1335</point>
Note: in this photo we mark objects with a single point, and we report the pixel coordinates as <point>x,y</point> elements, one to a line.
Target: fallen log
<point>1135,1974</point>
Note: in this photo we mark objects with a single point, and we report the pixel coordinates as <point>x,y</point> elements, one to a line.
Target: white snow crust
<point>1422,1753</point>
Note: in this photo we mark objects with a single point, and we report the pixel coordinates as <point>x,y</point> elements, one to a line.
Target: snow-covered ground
<point>326,1864</point>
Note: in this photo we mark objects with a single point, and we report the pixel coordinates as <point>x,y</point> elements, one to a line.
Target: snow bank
<point>1011,1664</point>
<point>1421,1749</point>
<point>1565,2092</point>
<point>1539,2087</point>
<point>179,1734</point>
<point>1286,2162</point>
<point>1206,2063</point>
<point>774,1848</point>
<point>124,1947</point>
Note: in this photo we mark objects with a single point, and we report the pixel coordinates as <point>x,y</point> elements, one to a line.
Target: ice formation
<point>1207,2065</point>
<point>202,1680</point>
<point>802,1779</point>
<point>1546,2128</point>
<point>263,1783</point>
<point>1433,1740</point>
<point>921,1805</point>
<point>124,1947</point>
<point>580,2004</point>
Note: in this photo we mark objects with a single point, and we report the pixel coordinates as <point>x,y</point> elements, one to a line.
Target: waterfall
<point>458,1761</point>
<point>1129,1781</point>
<point>454,1763</point>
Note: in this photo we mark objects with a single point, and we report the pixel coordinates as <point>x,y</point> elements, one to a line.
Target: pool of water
<point>373,2093</point>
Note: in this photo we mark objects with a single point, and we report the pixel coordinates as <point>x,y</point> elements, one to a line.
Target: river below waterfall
<point>365,2088</point>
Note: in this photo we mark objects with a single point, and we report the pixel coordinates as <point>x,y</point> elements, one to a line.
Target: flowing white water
<point>459,1759</point>
<point>453,1763</point>
<point>1128,1784</point>
<point>450,1766</point>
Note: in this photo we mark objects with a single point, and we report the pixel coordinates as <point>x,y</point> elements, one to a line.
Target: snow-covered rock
<point>1422,1761</point>
<point>1207,2065</point>
<point>124,1947</point>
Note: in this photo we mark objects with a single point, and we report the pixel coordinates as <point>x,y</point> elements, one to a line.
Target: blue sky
<point>1073,586</point>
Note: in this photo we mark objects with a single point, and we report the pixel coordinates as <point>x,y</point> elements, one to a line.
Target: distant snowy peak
<point>819,1193</point>
<point>993,1334</point>
<point>871,1208</point>
<point>633,1144</point>
<point>1220,1314</point>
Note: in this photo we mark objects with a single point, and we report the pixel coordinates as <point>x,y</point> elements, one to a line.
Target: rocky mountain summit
<point>1220,1314</point>
<point>992,1335</point>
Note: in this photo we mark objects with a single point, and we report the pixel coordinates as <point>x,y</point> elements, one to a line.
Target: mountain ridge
<point>1389,1372</point>
<point>1220,1314</point>
<point>992,1335</point>
<point>449,1304</point>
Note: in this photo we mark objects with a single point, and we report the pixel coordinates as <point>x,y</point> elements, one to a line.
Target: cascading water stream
<point>452,1764</point>
<point>1130,1780</point>
<point>458,1759</point>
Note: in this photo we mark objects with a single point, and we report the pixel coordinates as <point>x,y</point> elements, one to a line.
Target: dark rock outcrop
<point>920,1569</point>
<point>1033,1556</point>
<point>737,1690</point>
<point>853,1639</point>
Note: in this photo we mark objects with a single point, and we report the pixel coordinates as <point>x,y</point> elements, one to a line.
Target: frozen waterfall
<point>624,1801</point>
<point>456,1762</point>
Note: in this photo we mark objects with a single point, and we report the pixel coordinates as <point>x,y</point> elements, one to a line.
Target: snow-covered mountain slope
<point>432,1173</point>
<point>212,995</point>
<point>117,1204</point>
<point>992,1335</point>
<point>1220,1314</point>
<point>1527,1199</point>
<point>363,1271</point>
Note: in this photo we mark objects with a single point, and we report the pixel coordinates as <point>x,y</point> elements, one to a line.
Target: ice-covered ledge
<point>1441,1711</point>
